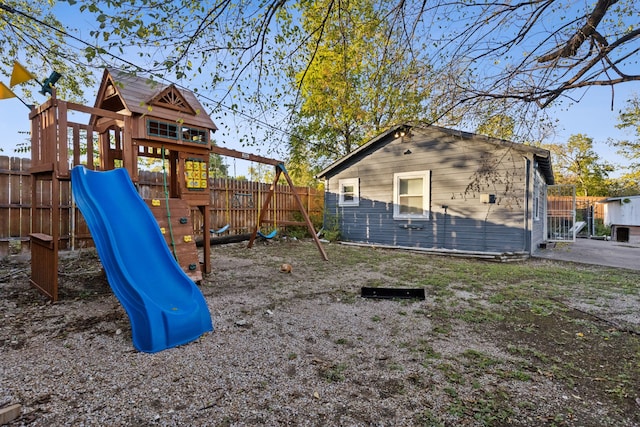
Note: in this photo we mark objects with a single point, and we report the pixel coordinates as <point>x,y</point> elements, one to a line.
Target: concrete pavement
<point>595,252</point>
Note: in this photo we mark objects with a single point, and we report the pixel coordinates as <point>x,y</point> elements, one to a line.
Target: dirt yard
<point>533,343</point>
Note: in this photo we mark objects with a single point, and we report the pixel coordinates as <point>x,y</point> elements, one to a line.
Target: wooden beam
<point>97,111</point>
<point>9,413</point>
<point>264,207</point>
<point>245,156</point>
<point>280,169</point>
<point>312,231</point>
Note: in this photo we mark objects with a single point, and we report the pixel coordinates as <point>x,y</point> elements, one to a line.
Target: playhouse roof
<point>542,156</point>
<point>134,95</point>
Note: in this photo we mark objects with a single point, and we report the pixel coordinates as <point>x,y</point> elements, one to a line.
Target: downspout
<point>444,227</point>
<point>526,237</point>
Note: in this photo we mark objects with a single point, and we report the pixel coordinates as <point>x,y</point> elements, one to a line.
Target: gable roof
<point>542,156</point>
<point>135,95</point>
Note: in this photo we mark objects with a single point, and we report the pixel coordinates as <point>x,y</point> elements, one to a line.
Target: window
<point>349,192</point>
<point>166,130</point>
<point>411,195</point>
<point>194,135</point>
<point>172,131</point>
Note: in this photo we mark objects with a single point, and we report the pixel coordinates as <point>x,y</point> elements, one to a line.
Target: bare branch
<point>587,30</point>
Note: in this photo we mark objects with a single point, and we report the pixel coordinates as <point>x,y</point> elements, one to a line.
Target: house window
<point>411,195</point>
<point>349,192</point>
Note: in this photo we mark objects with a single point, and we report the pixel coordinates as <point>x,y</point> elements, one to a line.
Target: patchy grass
<point>534,343</point>
<point>532,312</point>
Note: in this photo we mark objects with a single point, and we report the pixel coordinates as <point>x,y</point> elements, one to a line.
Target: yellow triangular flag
<point>5,92</point>
<point>20,74</point>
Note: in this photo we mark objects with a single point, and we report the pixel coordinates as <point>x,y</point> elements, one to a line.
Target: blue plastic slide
<point>165,307</point>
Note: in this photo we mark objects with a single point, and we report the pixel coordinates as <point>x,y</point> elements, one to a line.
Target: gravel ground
<point>298,349</point>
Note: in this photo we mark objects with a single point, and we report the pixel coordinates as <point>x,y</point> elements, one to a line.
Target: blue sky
<point>591,116</point>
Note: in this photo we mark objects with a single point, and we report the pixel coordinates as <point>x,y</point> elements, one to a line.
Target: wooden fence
<point>565,203</point>
<point>588,210</point>
<point>234,203</point>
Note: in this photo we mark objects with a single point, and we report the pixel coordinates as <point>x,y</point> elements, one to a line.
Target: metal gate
<point>561,213</point>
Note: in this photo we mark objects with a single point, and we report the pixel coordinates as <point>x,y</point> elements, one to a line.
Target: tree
<point>523,54</point>
<point>42,45</point>
<point>630,118</point>
<point>497,126</point>
<point>354,80</point>
<point>217,166</point>
<point>533,51</point>
<point>576,163</point>
<point>543,50</point>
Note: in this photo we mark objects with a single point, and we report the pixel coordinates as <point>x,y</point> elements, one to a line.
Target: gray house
<point>436,188</point>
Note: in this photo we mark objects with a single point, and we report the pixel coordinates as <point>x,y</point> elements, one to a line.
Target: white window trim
<point>355,182</point>
<point>538,198</point>
<point>426,194</point>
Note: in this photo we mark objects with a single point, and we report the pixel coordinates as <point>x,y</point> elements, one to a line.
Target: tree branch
<point>587,30</point>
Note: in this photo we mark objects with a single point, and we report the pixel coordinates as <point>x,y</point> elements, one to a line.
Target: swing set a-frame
<point>280,171</point>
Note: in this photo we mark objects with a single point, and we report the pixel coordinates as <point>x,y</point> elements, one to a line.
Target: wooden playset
<point>133,117</point>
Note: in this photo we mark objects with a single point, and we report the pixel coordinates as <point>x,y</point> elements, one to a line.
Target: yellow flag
<point>5,92</point>
<point>20,74</point>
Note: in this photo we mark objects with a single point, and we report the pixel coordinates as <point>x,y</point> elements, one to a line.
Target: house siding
<point>538,226</point>
<point>462,169</point>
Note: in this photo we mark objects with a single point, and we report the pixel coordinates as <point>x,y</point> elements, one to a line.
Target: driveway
<point>595,252</point>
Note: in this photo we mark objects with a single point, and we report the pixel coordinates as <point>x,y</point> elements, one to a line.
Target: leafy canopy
<point>577,163</point>
<point>354,79</point>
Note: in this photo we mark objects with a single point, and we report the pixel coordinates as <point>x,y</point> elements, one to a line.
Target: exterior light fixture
<point>402,132</point>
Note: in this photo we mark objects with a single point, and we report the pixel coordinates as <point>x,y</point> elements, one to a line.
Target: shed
<point>437,188</point>
<point>622,214</point>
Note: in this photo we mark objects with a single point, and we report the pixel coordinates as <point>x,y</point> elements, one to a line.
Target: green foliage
<point>331,230</point>
<point>40,46</point>
<point>577,163</point>
<point>301,231</point>
<point>332,74</point>
<point>217,166</point>
<point>601,229</point>
<point>630,119</point>
<point>497,126</point>
<point>355,80</point>
<point>334,373</point>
